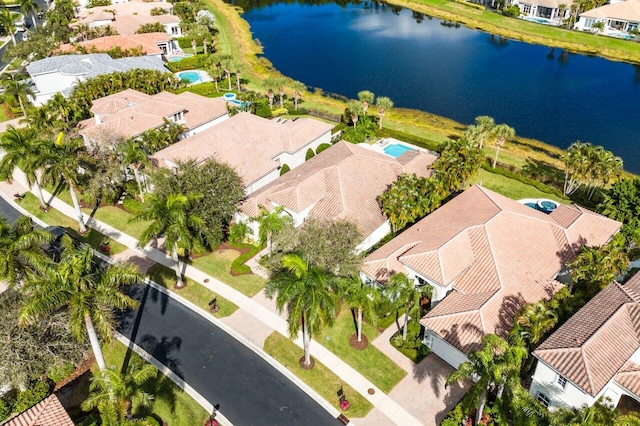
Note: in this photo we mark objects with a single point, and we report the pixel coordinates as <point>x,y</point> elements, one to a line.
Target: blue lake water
<point>546,94</point>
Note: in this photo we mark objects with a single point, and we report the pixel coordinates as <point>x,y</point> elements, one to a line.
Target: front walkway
<point>420,398</point>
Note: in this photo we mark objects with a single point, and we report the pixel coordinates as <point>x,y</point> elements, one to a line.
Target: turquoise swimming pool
<point>179,58</point>
<point>396,150</point>
<point>190,77</point>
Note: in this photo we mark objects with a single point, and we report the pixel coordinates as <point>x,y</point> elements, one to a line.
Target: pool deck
<point>379,146</point>
<point>204,76</point>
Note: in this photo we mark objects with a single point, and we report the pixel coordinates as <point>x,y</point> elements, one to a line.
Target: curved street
<point>248,389</point>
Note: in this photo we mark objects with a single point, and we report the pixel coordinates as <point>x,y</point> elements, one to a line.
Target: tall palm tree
<point>15,85</point>
<point>272,84</point>
<point>402,291</point>
<point>8,22</point>
<point>121,389</point>
<point>90,291</point>
<point>65,165</point>
<point>309,295</point>
<point>30,6</point>
<point>21,250</point>
<point>366,97</point>
<point>270,224</point>
<point>598,414</point>
<point>134,155</point>
<point>492,365</point>
<point>360,297</point>
<point>630,419</point>
<point>595,267</point>
<point>298,88</point>
<point>501,133</point>
<point>354,109</point>
<point>22,149</point>
<point>171,216</point>
<point>384,104</point>
<point>61,107</point>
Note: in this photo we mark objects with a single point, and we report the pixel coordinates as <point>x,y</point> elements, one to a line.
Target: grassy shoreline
<point>243,48</point>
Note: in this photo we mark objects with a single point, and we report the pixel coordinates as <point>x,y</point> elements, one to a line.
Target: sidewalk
<point>382,402</point>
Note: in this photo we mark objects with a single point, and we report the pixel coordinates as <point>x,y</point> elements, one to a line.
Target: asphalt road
<point>249,390</point>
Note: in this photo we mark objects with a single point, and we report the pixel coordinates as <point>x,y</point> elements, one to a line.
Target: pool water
<point>190,77</point>
<point>548,205</point>
<point>179,58</point>
<point>396,150</point>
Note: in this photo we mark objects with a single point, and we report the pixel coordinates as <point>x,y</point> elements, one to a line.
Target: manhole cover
<point>371,391</point>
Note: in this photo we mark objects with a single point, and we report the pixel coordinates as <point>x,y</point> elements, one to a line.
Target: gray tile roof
<point>91,65</point>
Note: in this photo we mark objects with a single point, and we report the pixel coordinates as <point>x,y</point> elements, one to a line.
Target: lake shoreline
<point>239,42</point>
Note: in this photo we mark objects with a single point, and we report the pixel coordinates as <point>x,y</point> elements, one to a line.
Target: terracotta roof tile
<point>246,142</point>
<point>48,412</point>
<point>484,243</point>
<point>629,377</point>
<point>596,343</point>
<point>148,42</point>
<point>331,185</point>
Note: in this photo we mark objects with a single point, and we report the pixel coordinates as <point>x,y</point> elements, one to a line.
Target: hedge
<point>299,111</point>
<point>322,147</point>
<point>472,5</point>
<point>190,63</point>
<point>237,266</point>
<point>412,139</point>
<point>207,89</point>
<point>285,168</point>
<point>309,155</point>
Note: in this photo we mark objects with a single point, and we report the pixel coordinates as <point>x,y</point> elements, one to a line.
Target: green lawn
<point>370,362</point>
<point>320,378</point>
<point>184,411</point>
<point>193,292</point>
<point>218,265</point>
<point>512,188</point>
<point>54,217</point>
<point>119,219</point>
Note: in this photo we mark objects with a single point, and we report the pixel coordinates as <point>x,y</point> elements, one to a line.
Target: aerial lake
<point>460,73</point>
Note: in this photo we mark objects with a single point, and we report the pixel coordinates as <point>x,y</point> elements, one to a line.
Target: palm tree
<point>8,22</point>
<point>62,107</point>
<point>134,155</point>
<point>402,291</point>
<point>112,388</point>
<point>90,291</point>
<point>366,97</point>
<point>239,68</point>
<point>492,365</point>
<point>535,321</point>
<point>501,132</point>
<point>65,165</point>
<point>595,267</point>
<point>226,65</point>
<point>21,250</point>
<point>171,216</point>
<point>354,109</point>
<point>597,26</point>
<point>271,84</point>
<point>22,149</point>
<point>384,104</point>
<point>30,6</point>
<point>298,88</point>
<point>281,94</point>
<point>598,414</point>
<point>309,295</point>
<point>270,224</point>
<point>15,85</point>
<point>630,419</point>
<point>360,297</point>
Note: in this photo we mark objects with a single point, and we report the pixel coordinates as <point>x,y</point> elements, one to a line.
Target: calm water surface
<point>455,72</point>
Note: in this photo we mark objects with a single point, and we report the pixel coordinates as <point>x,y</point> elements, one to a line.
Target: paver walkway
<point>413,401</point>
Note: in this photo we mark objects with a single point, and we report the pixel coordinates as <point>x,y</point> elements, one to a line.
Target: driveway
<point>249,390</point>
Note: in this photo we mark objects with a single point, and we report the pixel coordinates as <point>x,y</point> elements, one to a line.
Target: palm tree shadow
<point>162,350</point>
<point>136,326</point>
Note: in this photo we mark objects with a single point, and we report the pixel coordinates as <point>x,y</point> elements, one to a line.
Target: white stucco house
<point>341,183</point>
<point>130,113</point>
<point>618,17</point>
<point>553,10</point>
<point>595,354</point>
<point>126,18</point>
<point>257,148</point>
<point>485,256</point>
<point>58,74</point>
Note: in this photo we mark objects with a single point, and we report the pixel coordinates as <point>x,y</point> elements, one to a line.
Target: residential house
<point>58,74</point>
<point>330,186</point>
<point>130,113</point>
<point>619,18</point>
<point>595,354</point>
<point>127,18</point>
<point>49,412</point>
<point>152,44</point>
<point>553,10</point>
<point>485,256</point>
<point>255,147</point>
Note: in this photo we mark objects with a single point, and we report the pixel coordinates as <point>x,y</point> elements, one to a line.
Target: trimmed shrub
<point>237,266</point>
<point>279,111</point>
<point>262,108</point>
<point>299,111</point>
<point>511,11</point>
<point>207,89</point>
<point>190,63</point>
<point>322,147</point>
<point>285,168</point>
<point>183,42</point>
<point>38,391</point>
<point>5,410</point>
<point>310,154</point>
